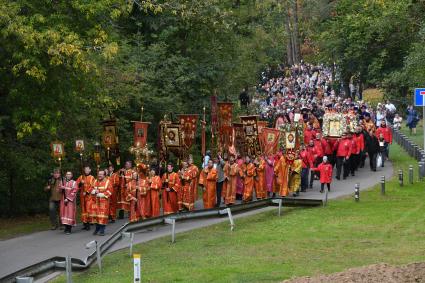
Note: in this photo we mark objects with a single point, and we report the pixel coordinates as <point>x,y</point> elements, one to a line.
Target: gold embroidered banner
<point>238,139</point>
<point>251,135</point>
<point>188,123</point>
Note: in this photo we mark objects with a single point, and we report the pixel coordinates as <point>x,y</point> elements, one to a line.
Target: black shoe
<point>101,234</point>
<point>95,232</point>
<point>338,178</point>
<point>310,186</point>
<point>112,221</point>
<point>67,232</point>
<point>352,174</point>
<point>329,189</point>
<point>303,190</point>
<point>344,178</point>
<point>321,191</point>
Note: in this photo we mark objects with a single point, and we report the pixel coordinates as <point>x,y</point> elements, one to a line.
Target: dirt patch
<point>414,272</point>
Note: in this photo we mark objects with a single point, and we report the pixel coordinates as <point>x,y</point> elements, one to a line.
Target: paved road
<point>23,251</point>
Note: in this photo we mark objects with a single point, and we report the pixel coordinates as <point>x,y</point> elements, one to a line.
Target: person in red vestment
<point>144,201</point>
<point>208,182</point>
<point>101,191</point>
<point>248,173</point>
<point>155,186</point>
<point>260,179</point>
<point>115,182</point>
<point>126,174</point>
<point>85,183</point>
<point>171,186</point>
<point>68,204</point>
<point>187,176</point>
<point>194,170</point>
<point>232,174</point>
<point>133,192</point>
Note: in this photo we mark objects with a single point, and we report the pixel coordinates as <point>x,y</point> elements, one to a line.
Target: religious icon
<point>79,145</point>
<point>140,133</point>
<point>107,139</point>
<point>249,130</point>
<point>334,128</point>
<point>172,137</point>
<point>270,137</point>
<point>57,149</point>
<point>290,140</point>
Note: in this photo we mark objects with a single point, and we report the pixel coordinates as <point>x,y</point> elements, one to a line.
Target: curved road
<point>23,251</point>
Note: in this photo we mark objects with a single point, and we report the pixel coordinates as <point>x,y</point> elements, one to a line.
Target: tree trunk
<point>289,49</point>
<point>296,33</point>
<point>360,89</point>
<point>346,82</point>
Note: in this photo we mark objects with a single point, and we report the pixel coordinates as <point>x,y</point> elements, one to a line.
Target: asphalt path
<point>23,251</point>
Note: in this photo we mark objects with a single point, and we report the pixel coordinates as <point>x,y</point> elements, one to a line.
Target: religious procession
<point>301,133</point>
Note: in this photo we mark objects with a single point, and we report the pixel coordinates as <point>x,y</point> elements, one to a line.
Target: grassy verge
<point>418,138</point>
<point>303,242</point>
<point>19,226</point>
<point>13,227</point>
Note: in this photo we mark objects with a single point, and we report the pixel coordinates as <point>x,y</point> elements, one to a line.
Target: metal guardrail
<point>407,144</point>
<point>57,263</point>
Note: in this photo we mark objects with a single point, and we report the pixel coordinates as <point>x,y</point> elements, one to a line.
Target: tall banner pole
<point>204,123</point>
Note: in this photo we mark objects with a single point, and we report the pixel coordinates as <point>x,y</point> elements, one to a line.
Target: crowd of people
<point>302,94</point>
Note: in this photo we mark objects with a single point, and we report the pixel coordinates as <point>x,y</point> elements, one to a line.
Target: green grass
<point>268,248</point>
<point>418,138</point>
<point>13,227</point>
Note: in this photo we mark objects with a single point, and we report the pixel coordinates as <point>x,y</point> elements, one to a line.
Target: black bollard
<point>382,185</point>
<point>357,191</point>
<point>400,177</point>
<point>411,174</point>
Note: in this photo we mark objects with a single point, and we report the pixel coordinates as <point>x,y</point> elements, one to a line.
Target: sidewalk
<point>20,252</point>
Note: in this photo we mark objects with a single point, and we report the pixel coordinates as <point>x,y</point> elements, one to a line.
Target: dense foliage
<point>66,65</point>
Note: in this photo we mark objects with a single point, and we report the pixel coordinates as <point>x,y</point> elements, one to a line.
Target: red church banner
<point>225,115</point>
<point>270,140</point>
<point>140,133</point>
<point>188,123</point>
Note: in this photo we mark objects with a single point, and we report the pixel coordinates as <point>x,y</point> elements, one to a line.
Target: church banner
<point>188,123</point>
<point>225,114</point>
<point>140,134</point>
<point>261,125</point>
<point>239,139</point>
<point>270,140</point>
<point>251,135</point>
